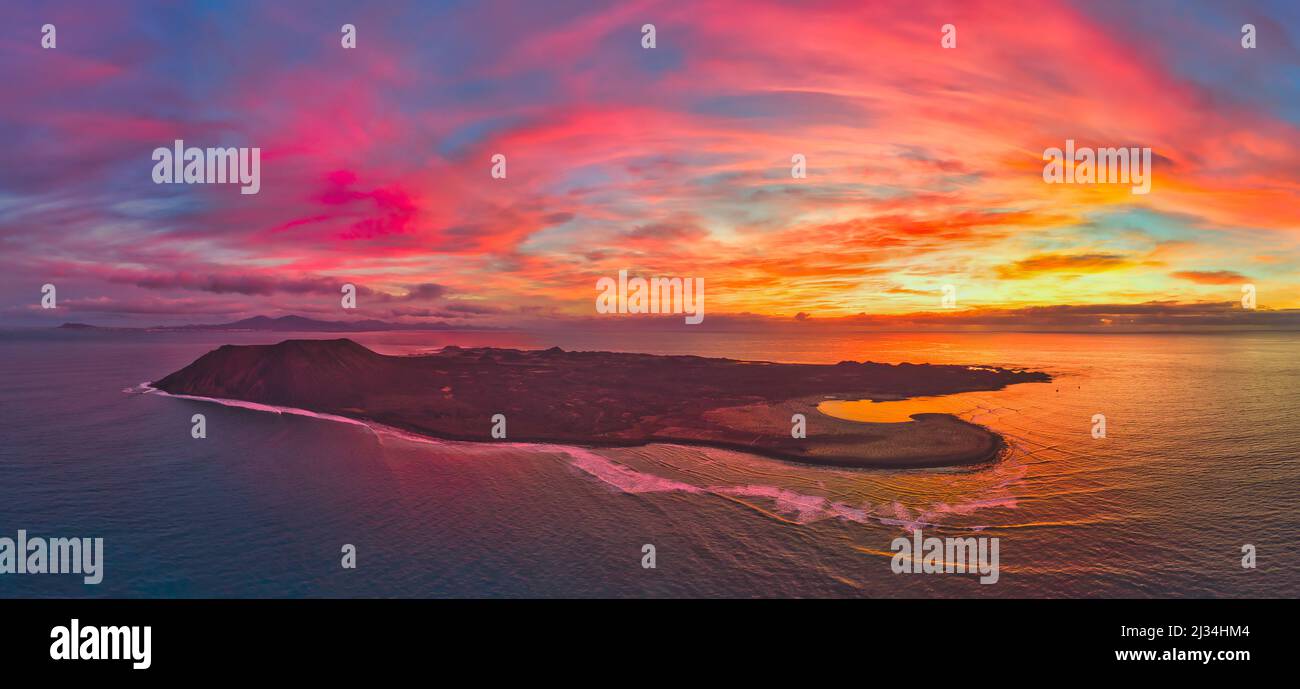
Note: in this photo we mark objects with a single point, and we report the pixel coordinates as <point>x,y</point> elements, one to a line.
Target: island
<point>610,398</point>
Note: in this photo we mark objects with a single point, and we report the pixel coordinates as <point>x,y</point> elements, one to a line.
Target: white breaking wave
<point>804,508</point>
<point>255,406</point>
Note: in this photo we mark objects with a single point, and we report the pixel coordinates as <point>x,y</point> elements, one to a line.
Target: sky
<point>924,164</point>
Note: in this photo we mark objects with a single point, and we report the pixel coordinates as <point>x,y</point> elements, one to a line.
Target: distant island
<point>288,324</point>
<point>301,324</point>
<point>610,399</point>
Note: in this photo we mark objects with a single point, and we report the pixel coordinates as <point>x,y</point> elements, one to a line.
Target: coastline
<point>971,456</point>
<point>604,399</point>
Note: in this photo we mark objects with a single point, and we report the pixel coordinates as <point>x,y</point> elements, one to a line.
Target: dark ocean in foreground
<point>1202,456</point>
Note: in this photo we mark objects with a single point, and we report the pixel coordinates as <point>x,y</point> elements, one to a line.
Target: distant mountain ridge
<point>296,324</point>
<point>304,324</point>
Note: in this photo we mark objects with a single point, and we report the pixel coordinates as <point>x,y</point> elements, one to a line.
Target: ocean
<point>1201,457</point>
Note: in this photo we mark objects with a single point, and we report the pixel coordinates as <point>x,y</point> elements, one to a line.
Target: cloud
<point>1077,264</point>
<point>1155,315</point>
<point>423,292</point>
<point>153,306</point>
<point>922,168</point>
<point>247,284</point>
<point>1212,277</point>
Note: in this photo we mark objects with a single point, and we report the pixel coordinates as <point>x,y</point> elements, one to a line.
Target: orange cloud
<point>1063,263</point>
<point>1212,277</point>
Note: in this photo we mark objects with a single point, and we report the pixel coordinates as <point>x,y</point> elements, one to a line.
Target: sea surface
<point>1201,457</point>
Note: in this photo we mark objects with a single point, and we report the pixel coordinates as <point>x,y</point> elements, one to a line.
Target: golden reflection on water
<point>900,411</point>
